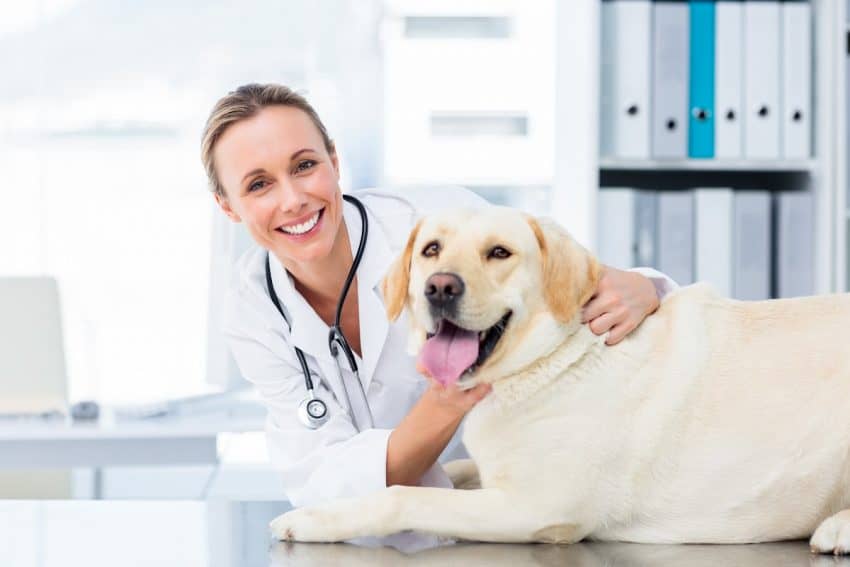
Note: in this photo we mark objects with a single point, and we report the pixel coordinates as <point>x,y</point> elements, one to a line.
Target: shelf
<point>616,164</point>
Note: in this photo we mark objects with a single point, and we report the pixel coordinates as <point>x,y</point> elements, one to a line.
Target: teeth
<point>481,335</point>
<point>303,227</point>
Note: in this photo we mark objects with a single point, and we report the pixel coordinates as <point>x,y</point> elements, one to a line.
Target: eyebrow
<point>261,170</point>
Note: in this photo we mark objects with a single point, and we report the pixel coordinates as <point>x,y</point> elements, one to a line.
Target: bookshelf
<point>616,164</point>
<point>504,97</point>
<point>580,172</point>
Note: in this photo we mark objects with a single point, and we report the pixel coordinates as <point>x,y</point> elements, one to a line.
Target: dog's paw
<point>303,524</point>
<point>833,535</point>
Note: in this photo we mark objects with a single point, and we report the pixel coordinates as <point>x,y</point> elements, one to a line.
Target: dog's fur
<point>716,421</point>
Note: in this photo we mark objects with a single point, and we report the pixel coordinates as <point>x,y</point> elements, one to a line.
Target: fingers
<point>599,305</point>
<point>462,398</point>
<point>421,369</point>
<point>618,333</point>
<point>477,393</point>
<point>605,322</point>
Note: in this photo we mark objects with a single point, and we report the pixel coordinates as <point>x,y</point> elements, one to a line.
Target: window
<point>101,109</point>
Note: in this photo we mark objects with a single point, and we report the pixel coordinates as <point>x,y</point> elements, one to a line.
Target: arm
<point>316,465</point>
<point>334,461</point>
<point>624,299</point>
<point>417,442</point>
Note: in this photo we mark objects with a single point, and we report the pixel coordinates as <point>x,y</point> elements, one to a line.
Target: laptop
<point>32,355</point>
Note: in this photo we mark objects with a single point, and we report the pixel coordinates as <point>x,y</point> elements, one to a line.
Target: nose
<point>443,289</point>
<point>291,199</point>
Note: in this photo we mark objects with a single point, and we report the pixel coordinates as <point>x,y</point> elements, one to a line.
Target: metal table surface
<point>229,534</point>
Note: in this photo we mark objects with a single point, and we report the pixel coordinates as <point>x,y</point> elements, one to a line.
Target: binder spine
<point>701,119</point>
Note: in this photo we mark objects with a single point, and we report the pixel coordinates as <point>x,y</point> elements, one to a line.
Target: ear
<point>226,208</point>
<point>334,160</point>
<point>395,283</point>
<point>570,273</point>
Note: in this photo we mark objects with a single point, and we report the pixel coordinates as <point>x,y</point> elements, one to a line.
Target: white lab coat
<point>335,460</point>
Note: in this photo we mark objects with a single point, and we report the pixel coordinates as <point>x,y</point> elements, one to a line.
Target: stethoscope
<point>313,411</point>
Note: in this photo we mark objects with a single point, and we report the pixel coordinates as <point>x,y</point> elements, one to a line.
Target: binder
<point>670,48</point>
<point>728,79</point>
<point>751,244</point>
<point>701,84</point>
<point>761,79</point>
<point>795,244</point>
<point>625,80</point>
<point>646,239</point>
<point>796,79</point>
<point>714,218</point>
<point>676,235</point>
<point>616,227</point>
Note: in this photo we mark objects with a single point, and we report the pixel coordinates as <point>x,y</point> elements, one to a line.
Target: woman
<point>273,167</point>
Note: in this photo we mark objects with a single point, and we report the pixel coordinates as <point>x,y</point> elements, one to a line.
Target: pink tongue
<point>449,353</point>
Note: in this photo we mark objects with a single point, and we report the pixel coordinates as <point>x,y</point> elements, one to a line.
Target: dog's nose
<point>442,289</point>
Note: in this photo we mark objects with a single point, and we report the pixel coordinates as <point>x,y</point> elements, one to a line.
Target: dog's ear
<point>395,283</point>
<point>570,273</point>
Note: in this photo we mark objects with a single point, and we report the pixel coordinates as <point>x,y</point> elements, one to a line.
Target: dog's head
<point>488,291</point>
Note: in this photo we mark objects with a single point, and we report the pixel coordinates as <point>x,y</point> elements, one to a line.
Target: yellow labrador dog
<point>716,421</point>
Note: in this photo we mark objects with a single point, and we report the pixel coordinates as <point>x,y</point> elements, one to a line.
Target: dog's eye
<point>431,249</point>
<point>499,252</point>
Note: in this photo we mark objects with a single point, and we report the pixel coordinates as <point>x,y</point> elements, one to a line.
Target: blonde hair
<point>245,102</point>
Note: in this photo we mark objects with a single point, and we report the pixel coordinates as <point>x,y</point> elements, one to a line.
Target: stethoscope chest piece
<point>313,412</point>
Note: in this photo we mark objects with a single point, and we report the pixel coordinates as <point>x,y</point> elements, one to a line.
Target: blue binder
<point>701,91</point>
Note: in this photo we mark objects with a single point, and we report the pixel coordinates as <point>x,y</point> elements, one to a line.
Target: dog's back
<point>757,447</point>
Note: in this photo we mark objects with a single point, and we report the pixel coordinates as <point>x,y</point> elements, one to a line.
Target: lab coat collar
<point>310,333</point>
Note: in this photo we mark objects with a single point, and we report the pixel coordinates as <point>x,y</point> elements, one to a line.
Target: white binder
<point>615,227</point>
<point>646,228</point>
<point>751,244</point>
<point>676,235</point>
<point>796,121</point>
<point>796,244</point>
<point>761,79</point>
<point>715,209</point>
<point>670,48</point>
<point>625,81</point>
<point>728,79</point>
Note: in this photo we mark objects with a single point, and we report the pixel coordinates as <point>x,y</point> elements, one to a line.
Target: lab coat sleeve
<point>317,465</point>
<point>663,283</point>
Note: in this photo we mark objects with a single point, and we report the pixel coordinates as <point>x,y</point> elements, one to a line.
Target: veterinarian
<point>335,433</point>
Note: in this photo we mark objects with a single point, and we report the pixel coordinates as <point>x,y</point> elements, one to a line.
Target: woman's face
<point>281,181</point>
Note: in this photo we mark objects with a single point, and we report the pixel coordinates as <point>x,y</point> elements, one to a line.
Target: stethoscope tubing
<point>313,412</point>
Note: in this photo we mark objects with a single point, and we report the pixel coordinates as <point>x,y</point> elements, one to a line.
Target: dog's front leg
<point>480,515</point>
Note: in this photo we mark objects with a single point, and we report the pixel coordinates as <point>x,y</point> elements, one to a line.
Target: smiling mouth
<point>452,351</point>
<point>304,227</point>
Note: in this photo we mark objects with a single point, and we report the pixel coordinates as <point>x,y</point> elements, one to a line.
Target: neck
<point>321,280</point>
<point>579,349</point>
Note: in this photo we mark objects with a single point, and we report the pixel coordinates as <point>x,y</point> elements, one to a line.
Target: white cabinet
<point>469,92</point>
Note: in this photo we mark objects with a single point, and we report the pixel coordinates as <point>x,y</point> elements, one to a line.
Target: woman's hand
<point>454,400</point>
<point>418,440</point>
<point>621,303</point>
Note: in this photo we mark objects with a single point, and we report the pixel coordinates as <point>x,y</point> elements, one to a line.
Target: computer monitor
<point>32,354</point>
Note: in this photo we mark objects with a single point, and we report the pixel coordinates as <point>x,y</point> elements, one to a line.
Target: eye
<point>256,185</point>
<point>499,252</point>
<point>304,165</point>
<point>431,249</point>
